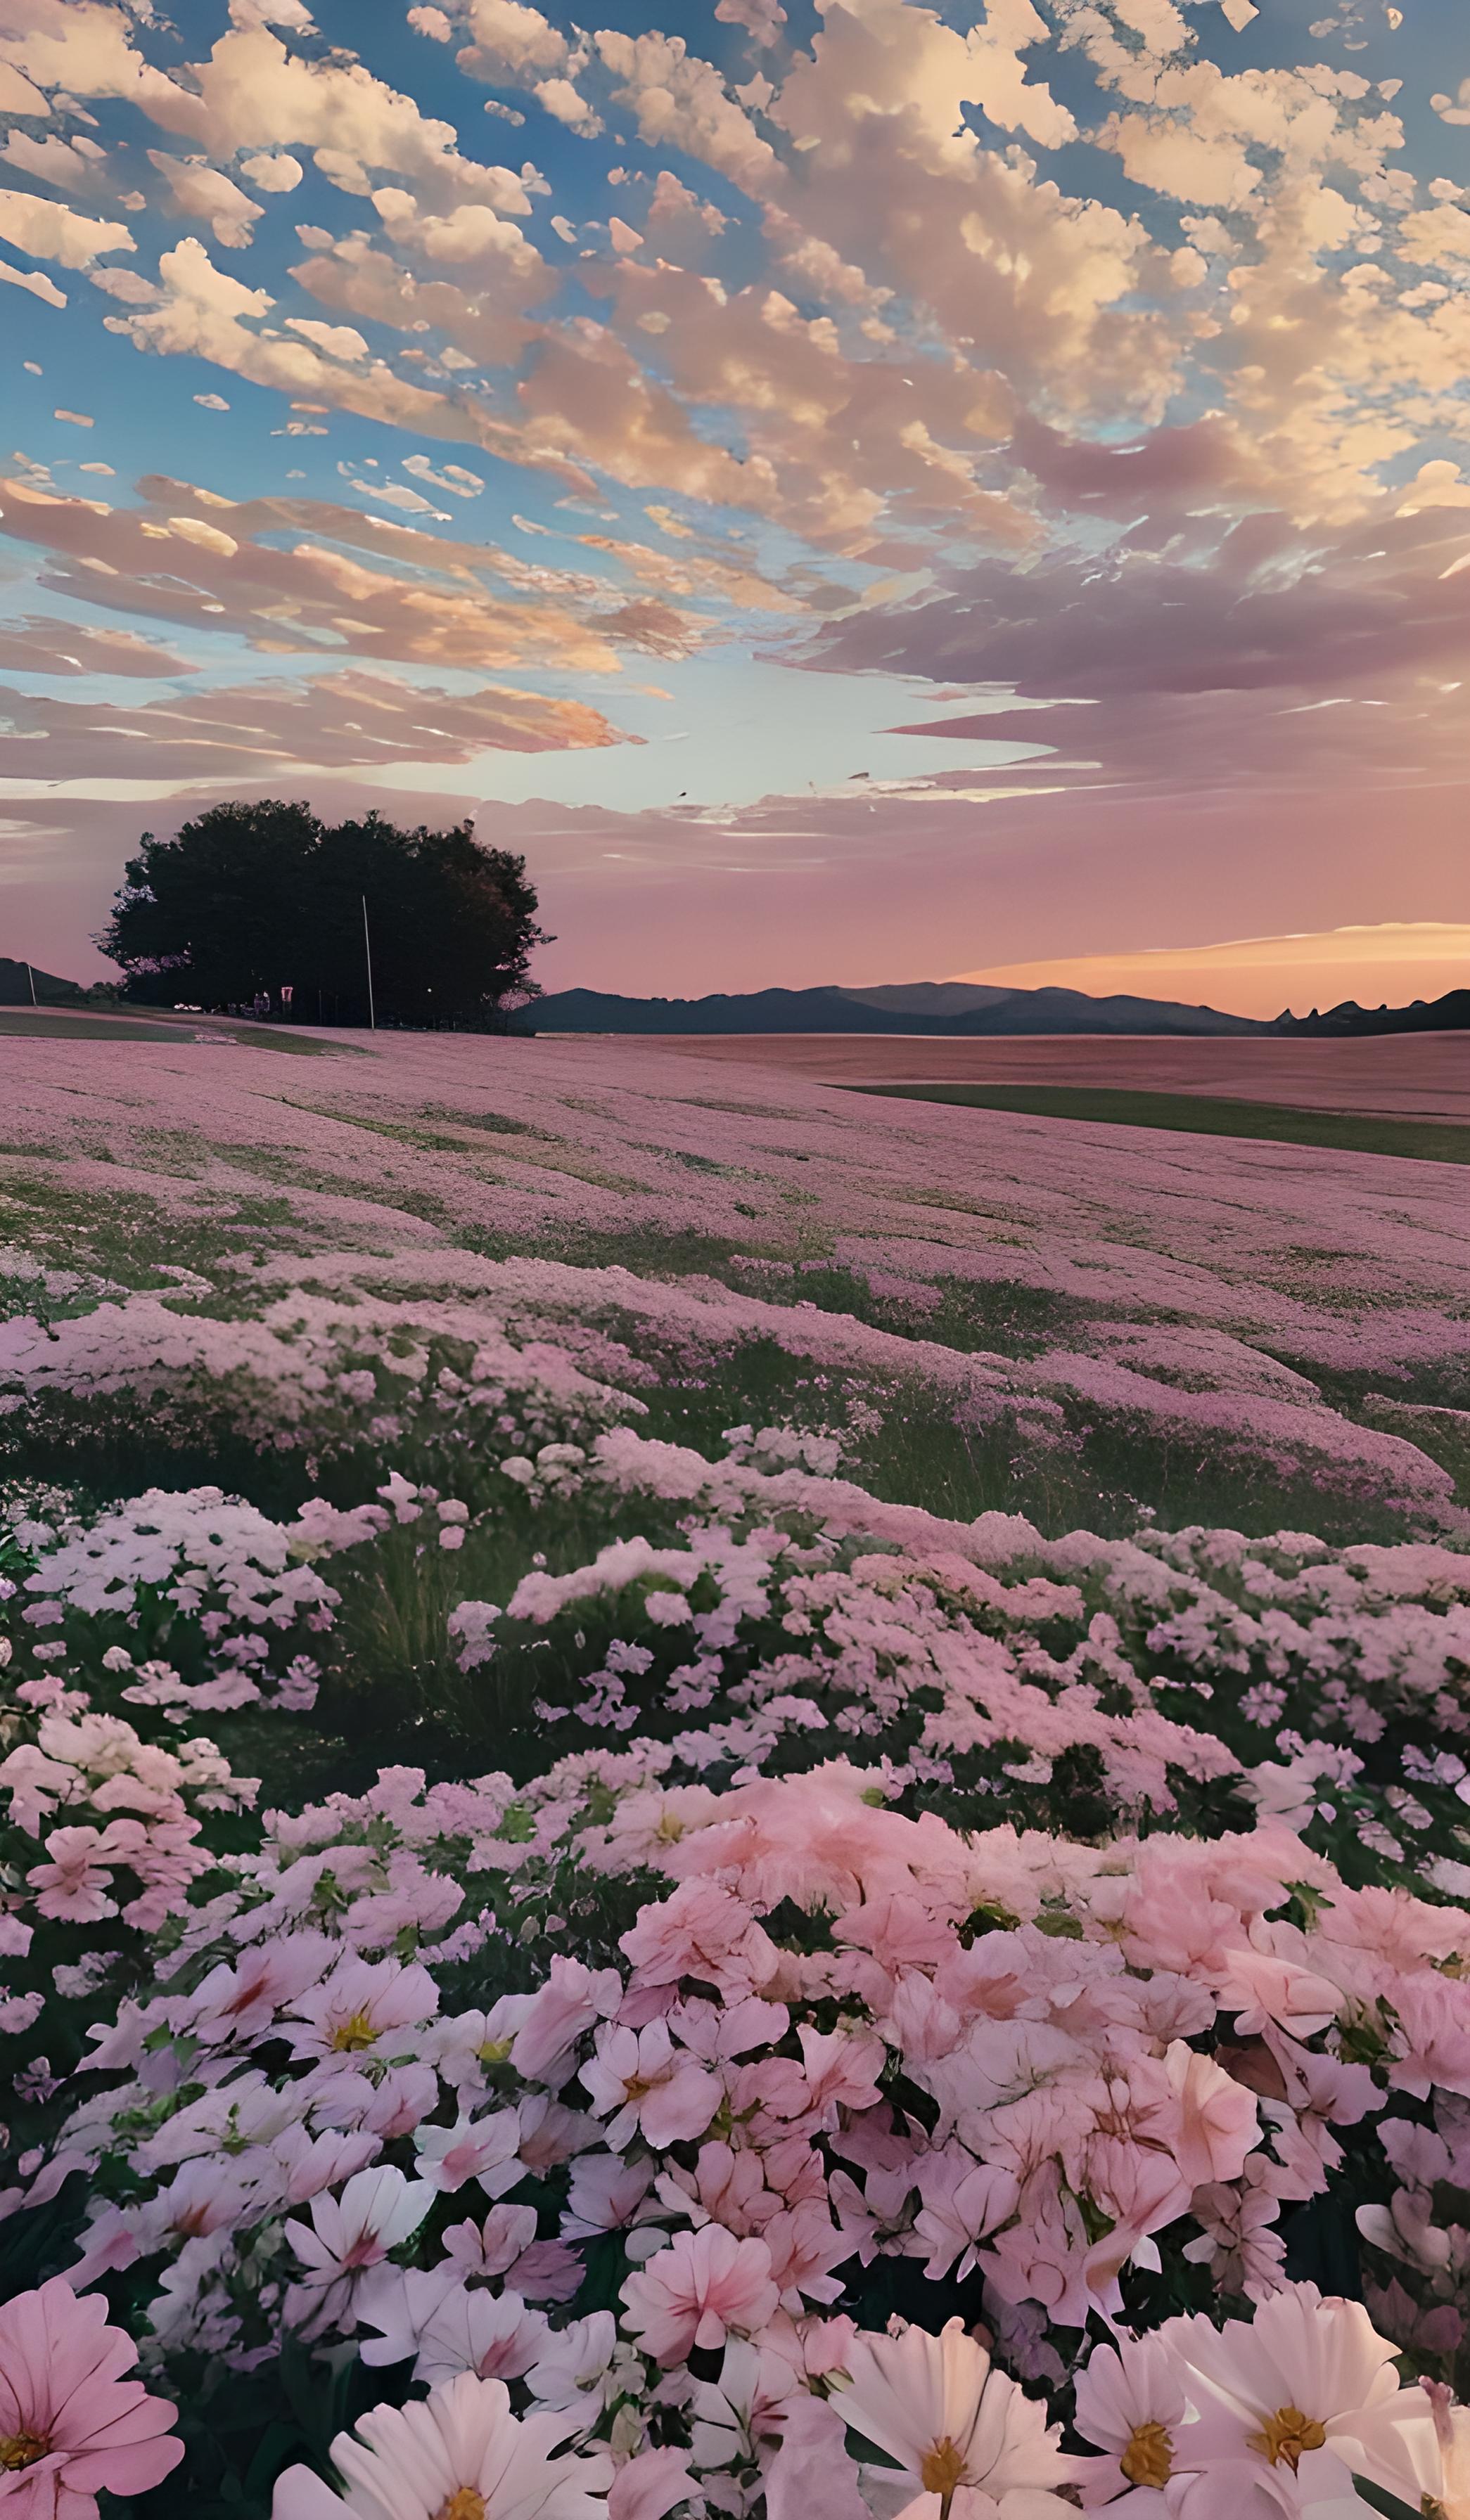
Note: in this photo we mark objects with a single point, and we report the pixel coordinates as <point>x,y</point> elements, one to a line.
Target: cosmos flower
<point>457,2455</point>
<point>71,2426</point>
<point>965,2438</point>
<point>693,2292</point>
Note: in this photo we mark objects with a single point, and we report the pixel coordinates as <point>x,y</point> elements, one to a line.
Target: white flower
<point>349,2234</point>
<point>494,2334</point>
<point>1415,2446</point>
<point>457,2455</point>
<point>480,2148</point>
<point>1280,2385</point>
<point>964,2436</point>
<point>1131,2403</point>
<point>573,2361</point>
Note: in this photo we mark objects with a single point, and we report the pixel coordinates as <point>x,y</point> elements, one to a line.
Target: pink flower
<point>478,2149</point>
<point>488,2249</point>
<point>964,2199</point>
<point>650,2086</point>
<point>1432,2035</point>
<point>71,2426</point>
<point>240,2001</point>
<point>962,2433</point>
<point>349,2234</point>
<point>650,2485</point>
<point>76,1883</point>
<point>359,2006</point>
<point>843,2067</point>
<point>812,2477</point>
<point>703,1932</point>
<point>1219,2125</point>
<point>496,2335</point>
<point>1131,2401</point>
<point>459,2450</point>
<point>695,2290</point>
<point>558,2015</point>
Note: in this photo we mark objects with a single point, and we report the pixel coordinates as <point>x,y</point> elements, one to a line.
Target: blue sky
<point>624,431</point>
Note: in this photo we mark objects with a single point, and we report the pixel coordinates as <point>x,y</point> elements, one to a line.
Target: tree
<point>255,897</point>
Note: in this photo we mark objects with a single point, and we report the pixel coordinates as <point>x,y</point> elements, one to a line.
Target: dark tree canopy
<point>255,897</point>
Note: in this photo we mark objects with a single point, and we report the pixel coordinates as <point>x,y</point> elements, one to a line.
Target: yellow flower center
<point>465,2504</point>
<point>22,2449</point>
<point>355,2033</point>
<point>1149,2457</point>
<point>494,2052</point>
<point>942,2468</point>
<point>1285,2435</point>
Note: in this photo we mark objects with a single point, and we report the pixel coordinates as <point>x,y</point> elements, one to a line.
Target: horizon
<point>823,484</point>
<point>1157,996</point>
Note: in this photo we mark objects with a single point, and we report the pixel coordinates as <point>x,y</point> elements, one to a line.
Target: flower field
<point>715,1798</point>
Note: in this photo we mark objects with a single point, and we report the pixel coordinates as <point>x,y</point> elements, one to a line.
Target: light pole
<point>31,977</point>
<point>367,947</point>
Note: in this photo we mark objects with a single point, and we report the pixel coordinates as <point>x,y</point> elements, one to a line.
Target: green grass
<point>36,1026</point>
<point>1362,1132</point>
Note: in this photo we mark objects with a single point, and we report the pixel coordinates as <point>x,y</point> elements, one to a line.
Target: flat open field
<point>1422,1075</point>
<point>639,1689</point>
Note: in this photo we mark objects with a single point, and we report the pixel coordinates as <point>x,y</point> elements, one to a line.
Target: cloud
<point>55,233</point>
<point>485,321</point>
<point>397,494</point>
<point>1270,679</point>
<point>454,481</point>
<point>49,647</point>
<point>510,43</point>
<point>39,284</point>
<point>272,174</point>
<point>201,192</point>
<point>335,341</point>
<point>1389,961</point>
<point>77,165</point>
<point>345,720</point>
<point>295,577</point>
<point>471,233</point>
<point>251,93</point>
<point>1453,109</point>
<point>128,287</point>
<point>206,313</point>
<point>680,103</point>
<point>291,13</point>
<point>16,95</point>
<point>837,448</point>
<point>763,20</point>
<point>566,102</point>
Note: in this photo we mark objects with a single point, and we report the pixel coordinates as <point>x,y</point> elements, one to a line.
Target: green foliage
<point>265,896</point>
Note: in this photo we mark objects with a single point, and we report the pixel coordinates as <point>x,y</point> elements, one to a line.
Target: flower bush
<point>582,1931</point>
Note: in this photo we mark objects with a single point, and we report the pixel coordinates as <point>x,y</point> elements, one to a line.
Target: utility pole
<point>31,977</point>
<point>367,947</point>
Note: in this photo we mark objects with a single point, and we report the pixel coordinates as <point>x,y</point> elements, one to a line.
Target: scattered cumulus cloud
<point>763,20</point>
<point>1157,446</point>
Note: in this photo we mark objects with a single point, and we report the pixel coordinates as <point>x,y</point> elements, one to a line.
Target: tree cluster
<point>263,898</point>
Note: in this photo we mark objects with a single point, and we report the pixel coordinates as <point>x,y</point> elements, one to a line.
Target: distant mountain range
<point>960,1010</point>
<point>953,1009</point>
<point>956,1010</point>
<point>1449,1014</point>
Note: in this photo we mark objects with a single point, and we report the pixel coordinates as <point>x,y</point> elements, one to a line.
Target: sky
<point>854,492</point>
